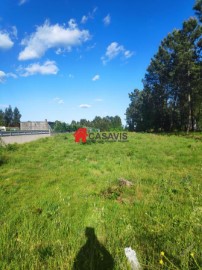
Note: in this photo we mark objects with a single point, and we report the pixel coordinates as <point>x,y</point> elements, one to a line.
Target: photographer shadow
<point>93,255</point>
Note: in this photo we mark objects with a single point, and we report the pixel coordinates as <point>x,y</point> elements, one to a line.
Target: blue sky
<point>73,59</point>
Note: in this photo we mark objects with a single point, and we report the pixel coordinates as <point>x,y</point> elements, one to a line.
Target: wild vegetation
<point>54,191</point>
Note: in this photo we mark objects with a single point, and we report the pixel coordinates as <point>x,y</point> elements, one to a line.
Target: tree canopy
<point>171,98</point>
<point>108,123</point>
<point>10,117</point>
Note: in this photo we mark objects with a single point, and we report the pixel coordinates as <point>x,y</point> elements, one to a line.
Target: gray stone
<point>124,182</point>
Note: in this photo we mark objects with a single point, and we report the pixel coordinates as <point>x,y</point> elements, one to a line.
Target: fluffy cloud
<point>114,50</point>
<point>62,51</point>
<point>52,36</point>
<point>72,24</point>
<point>84,19</point>
<point>48,68</point>
<point>5,41</point>
<point>84,106</point>
<point>96,77</point>
<point>107,20</point>
<point>14,32</point>
<point>2,76</point>
<point>11,75</point>
<point>90,15</point>
<point>128,54</point>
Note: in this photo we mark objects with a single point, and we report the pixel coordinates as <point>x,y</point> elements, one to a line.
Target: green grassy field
<point>52,189</point>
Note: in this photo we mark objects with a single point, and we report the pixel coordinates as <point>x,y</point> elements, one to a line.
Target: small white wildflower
<point>131,255</point>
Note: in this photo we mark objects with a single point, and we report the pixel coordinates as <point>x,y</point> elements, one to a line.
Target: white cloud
<point>90,15</point>
<point>5,40</point>
<point>96,77</point>
<point>114,50</point>
<point>52,36</point>
<point>14,32</point>
<point>107,20</point>
<point>48,68</point>
<point>11,75</point>
<point>84,19</point>
<point>84,106</point>
<point>59,51</point>
<point>72,24</point>
<point>2,76</point>
<point>58,100</point>
<point>63,51</point>
<point>22,2</point>
<point>128,54</point>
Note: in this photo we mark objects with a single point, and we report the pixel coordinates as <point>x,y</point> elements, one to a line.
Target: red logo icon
<point>81,134</point>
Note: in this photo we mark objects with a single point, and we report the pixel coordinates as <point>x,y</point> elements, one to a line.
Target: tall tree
<point>1,117</point>
<point>172,94</point>
<point>198,9</point>
<point>187,67</point>
<point>157,84</point>
<point>8,116</point>
<point>116,123</point>
<point>60,126</point>
<point>16,117</point>
<point>84,123</point>
<point>134,115</point>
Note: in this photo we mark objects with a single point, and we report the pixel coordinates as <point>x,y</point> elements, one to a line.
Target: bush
<point>12,147</point>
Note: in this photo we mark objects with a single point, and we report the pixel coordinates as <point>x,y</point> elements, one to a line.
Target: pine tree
<point>198,9</point>
<point>172,94</point>
<point>8,116</point>
<point>16,117</point>
<point>1,118</point>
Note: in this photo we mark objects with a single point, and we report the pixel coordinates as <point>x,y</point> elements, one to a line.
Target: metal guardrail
<point>23,132</point>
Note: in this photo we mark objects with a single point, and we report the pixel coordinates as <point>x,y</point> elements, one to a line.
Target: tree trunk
<point>189,113</point>
<point>189,103</point>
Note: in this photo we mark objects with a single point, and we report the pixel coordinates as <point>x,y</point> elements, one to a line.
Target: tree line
<point>10,117</point>
<point>108,123</point>
<point>171,99</point>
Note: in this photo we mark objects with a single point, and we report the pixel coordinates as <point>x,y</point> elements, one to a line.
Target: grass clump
<point>3,157</point>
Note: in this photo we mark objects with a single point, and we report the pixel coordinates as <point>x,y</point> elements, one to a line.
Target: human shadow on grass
<point>93,255</point>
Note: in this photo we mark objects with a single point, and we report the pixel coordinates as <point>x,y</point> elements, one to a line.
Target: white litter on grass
<point>132,257</point>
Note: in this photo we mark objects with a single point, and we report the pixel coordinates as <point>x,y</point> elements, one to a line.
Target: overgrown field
<point>55,194</point>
